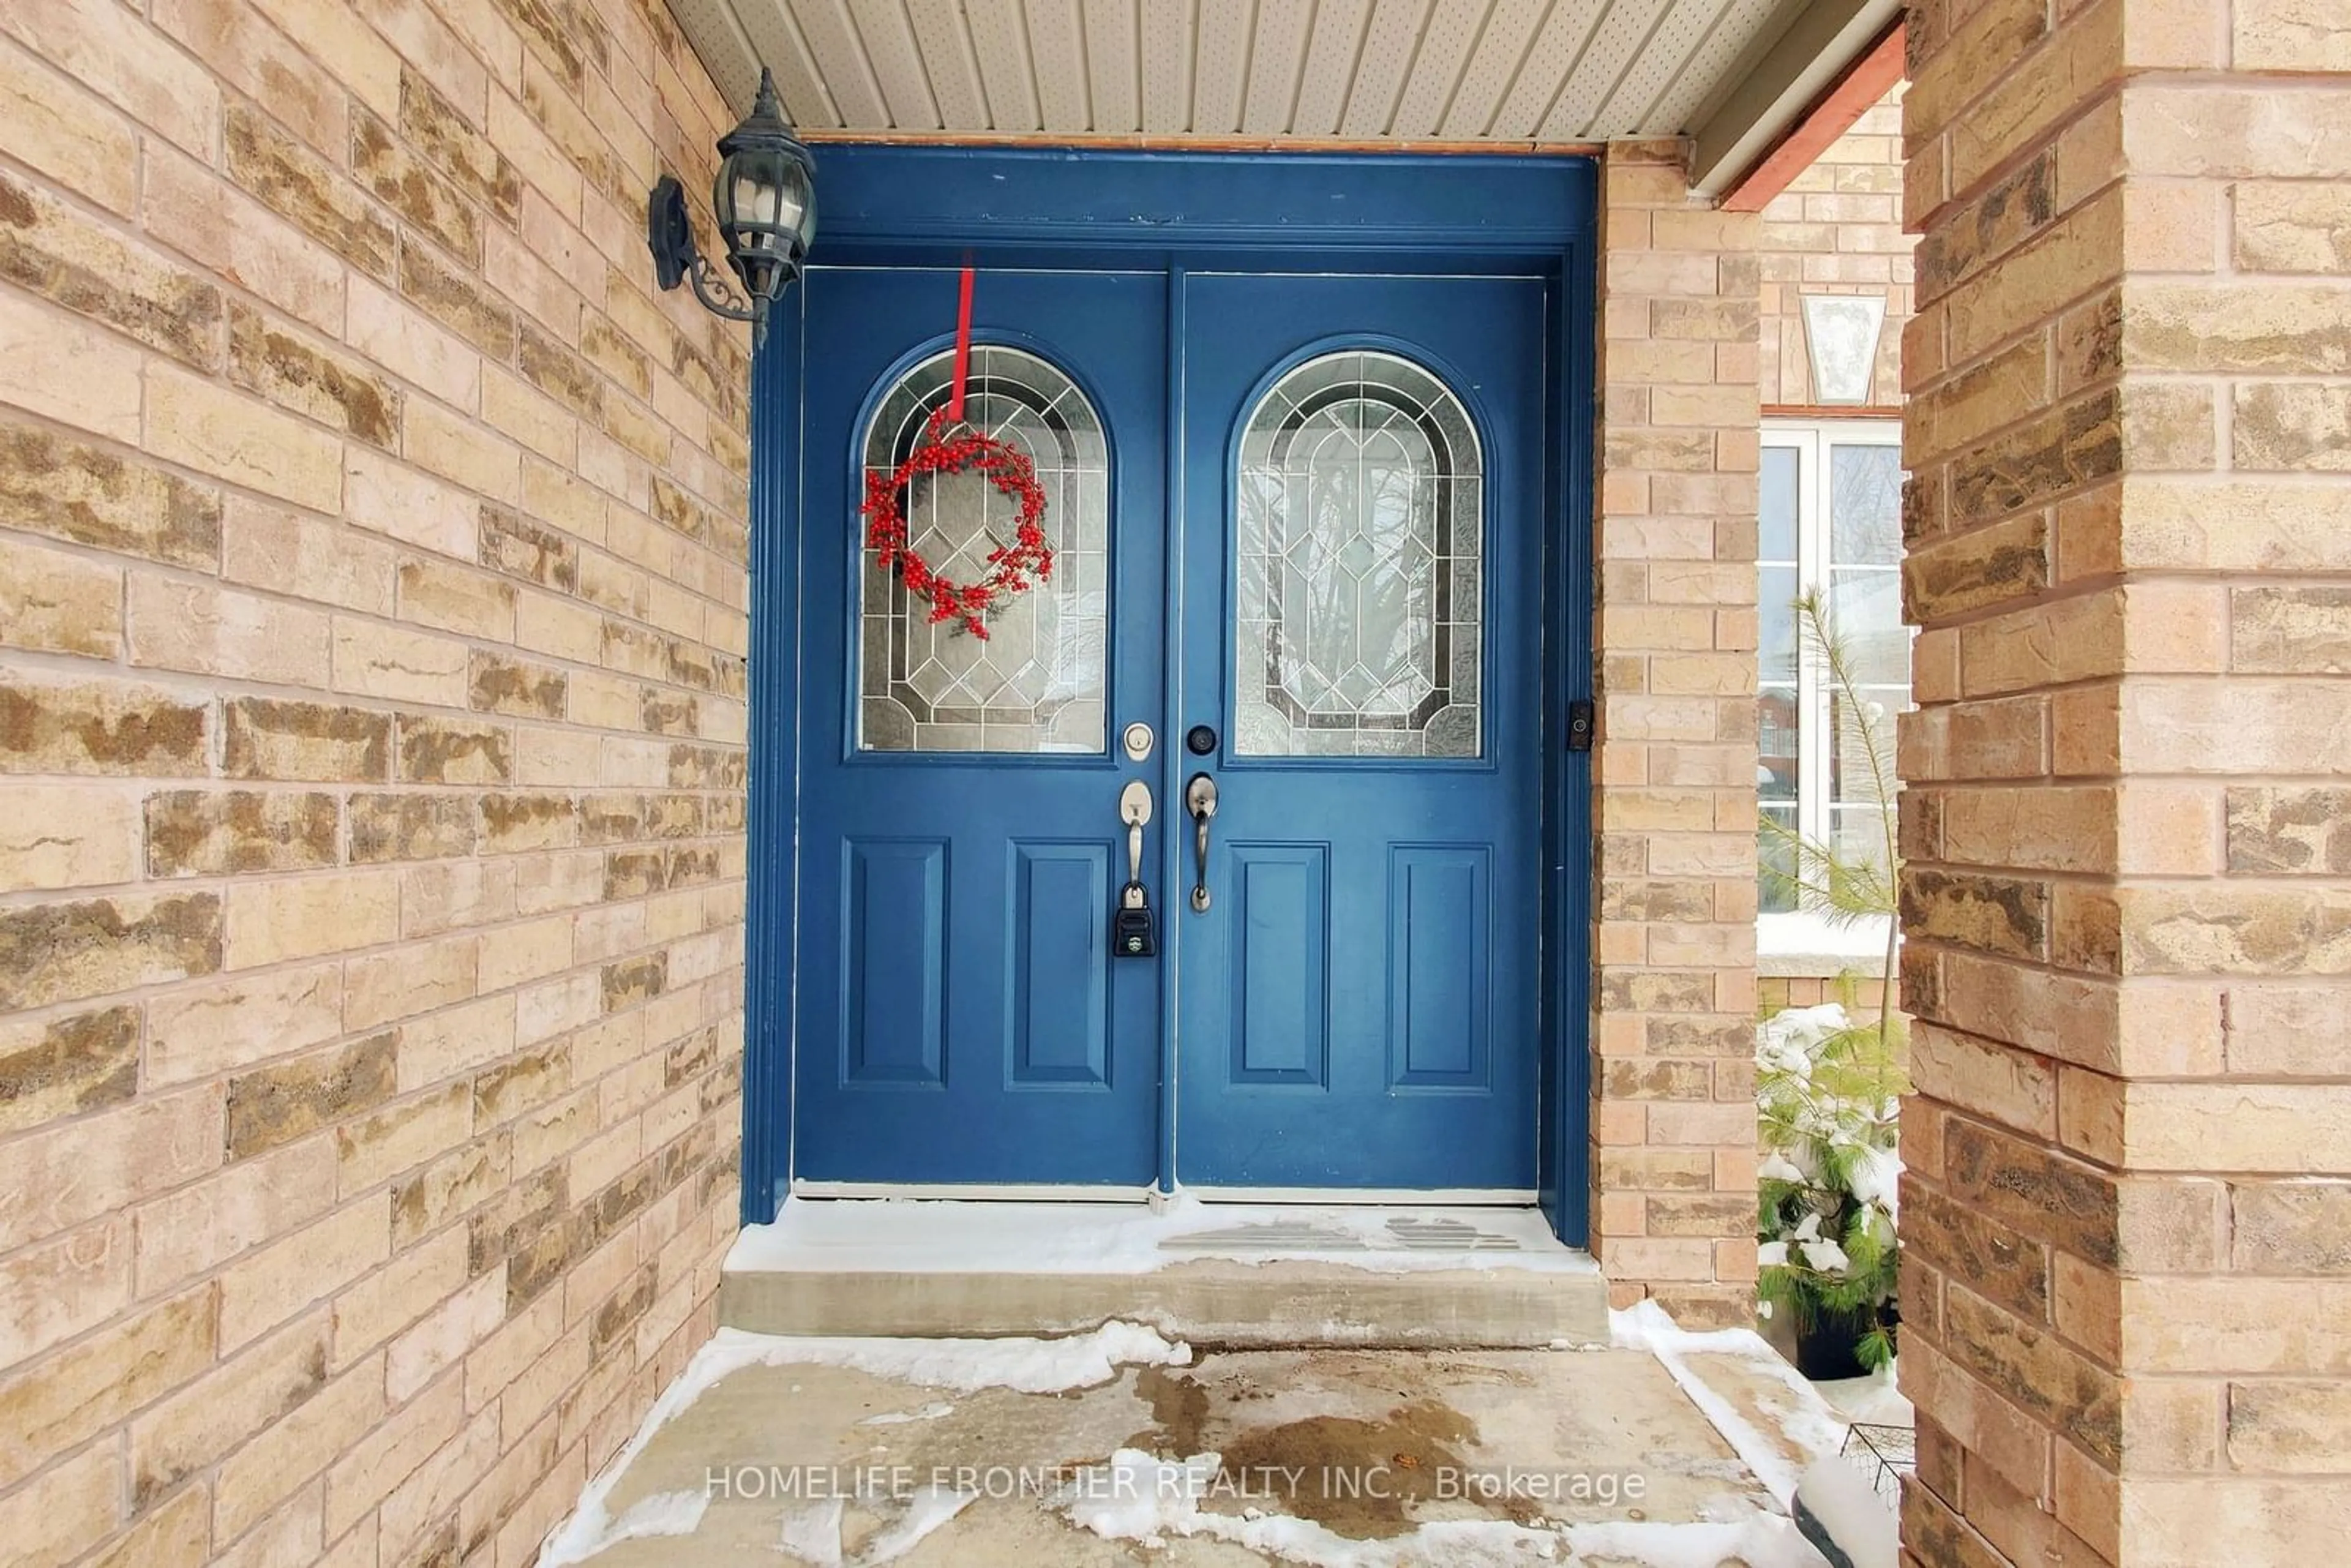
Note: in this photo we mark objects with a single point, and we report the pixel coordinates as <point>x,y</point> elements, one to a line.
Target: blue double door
<point>1298,521</point>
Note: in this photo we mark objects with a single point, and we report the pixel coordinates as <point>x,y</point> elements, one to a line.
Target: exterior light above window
<point>1843,330</point>
<point>764,201</point>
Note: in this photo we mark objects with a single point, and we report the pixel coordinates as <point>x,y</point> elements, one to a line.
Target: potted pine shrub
<point>1829,1088</point>
<point>1827,1092</point>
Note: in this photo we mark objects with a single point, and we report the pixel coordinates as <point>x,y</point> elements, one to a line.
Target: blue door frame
<point>937,203</point>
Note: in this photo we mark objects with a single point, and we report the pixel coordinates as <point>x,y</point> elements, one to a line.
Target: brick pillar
<point>2127,1223</point>
<point>1673,1030</point>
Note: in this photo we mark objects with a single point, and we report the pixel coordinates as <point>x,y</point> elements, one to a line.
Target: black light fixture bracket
<point>676,260</point>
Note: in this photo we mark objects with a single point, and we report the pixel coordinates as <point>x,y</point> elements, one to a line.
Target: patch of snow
<point>1875,1398</point>
<point>1800,1416</point>
<point>1760,1541</point>
<point>1854,1516</point>
<point>1824,1254</point>
<point>1785,1041</point>
<point>1754,1451</point>
<point>931,1412</point>
<point>1805,1420</point>
<point>1025,1365</point>
<point>1645,1325</point>
<point>593,1529</point>
<point>1777,1167</point>
<point>1141,1498</point>
<point>926,1512</point>
<point>812,1534</point>
<point>1028,1365</point>
<point>1877,1178</point>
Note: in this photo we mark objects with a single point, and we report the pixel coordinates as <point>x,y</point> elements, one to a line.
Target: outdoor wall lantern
<point>764,200</point>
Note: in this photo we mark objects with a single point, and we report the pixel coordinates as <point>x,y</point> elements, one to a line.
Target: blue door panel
<point>1060,922</point>
<point>1280,967</point>
<point>959,1020</point>
<point>1415,1063</point>
<point>1438,967</point>
<point>894,963</point>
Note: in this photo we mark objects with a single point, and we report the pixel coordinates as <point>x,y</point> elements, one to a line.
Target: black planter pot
<point>1826,1353</point>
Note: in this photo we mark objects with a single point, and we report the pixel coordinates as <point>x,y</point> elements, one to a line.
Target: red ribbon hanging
<point>963,350</point>
<point>1012,568</point>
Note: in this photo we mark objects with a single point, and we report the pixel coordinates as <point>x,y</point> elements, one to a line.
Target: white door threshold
<point>970,1192</point>
<point>1034,1191</point>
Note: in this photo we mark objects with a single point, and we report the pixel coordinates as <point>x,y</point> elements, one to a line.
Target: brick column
<point>2127,1223</point>
<point>1672,1031</point>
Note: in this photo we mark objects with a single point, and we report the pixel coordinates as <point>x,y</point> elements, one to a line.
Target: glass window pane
<point>1861,750</point>
<point>1864,505</point>
<point>1776,591</point>
<point>1776,500</point>
<point>1776,855</point>
<point>1781,727</point>
<point>1858,833</point>
<point>1865,613</point>
<point>1036,682</point>
<point>1360,543</point>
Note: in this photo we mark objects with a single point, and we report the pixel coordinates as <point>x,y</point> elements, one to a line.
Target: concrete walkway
<point>1117,1448</point>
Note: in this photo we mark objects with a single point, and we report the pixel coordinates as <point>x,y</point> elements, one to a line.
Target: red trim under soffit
<point>1846,99</point>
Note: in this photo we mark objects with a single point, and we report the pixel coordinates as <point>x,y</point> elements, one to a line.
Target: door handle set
<point>1131,932</point>
<point>1200,800</point>
<point>1132,925</point>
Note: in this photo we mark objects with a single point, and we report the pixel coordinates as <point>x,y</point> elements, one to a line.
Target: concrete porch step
<point>1223,1274</point>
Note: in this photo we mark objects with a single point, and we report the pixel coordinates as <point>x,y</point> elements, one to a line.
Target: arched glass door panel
<point>1035,683</point>
<point>1360,551</point>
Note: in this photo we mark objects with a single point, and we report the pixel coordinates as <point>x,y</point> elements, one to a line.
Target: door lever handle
<point>1200,800</point>
<point>1134,811</point>
<point>1131,934</point>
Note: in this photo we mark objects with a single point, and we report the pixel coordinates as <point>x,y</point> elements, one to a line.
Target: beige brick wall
<point>1854,990</point>
<point>1672,1031</point>
<point>1837,229</point>
<point>372,722</point>
<point>2128,1221</point>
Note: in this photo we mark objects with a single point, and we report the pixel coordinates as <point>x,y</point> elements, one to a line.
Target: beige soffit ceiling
<point>1505,71</point>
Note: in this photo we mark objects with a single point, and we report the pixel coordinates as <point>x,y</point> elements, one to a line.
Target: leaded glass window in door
<point>1036,682</point>
<point>1360,535</point>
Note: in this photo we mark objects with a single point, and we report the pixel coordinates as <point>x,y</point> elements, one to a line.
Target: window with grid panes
<point>1830,515</point>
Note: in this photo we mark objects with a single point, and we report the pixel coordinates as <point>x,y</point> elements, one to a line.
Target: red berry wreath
<point>1015,568</point>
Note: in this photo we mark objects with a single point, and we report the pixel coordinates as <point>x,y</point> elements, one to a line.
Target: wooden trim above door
<point>952,196</point>
<point>1144,143</point>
